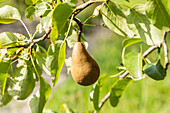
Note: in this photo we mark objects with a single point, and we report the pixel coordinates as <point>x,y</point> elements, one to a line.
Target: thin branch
<point>166,62</point>
<point>80,25</point>
<point>85,5</point>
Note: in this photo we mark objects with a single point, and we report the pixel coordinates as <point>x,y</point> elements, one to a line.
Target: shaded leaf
<point>156,11</point>
<point>129,41</point>
<point>29,12</point>
<point>94,95</point>
<point>9,14</point>
<point>114,17</point>
<point>65,109</point>
<point>141,26</point>
<point>133,63</point>
<point>155,71</point>
<point>38,101</point>
<point>40,56</point>
<point>5,99</point>
<point>59,20</point>
<point>118,90</point>
<point>31,2</point>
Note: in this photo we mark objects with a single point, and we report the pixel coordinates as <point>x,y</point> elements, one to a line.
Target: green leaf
<point>114,17</point>
<point>29,12</point>
<point>141,26</point>
<point>157,12</point>
<point>133,63</point>
<point>55,58</point>
<point>38,101</point>
<point>59,20</point>
<point>61,60</point>
<point>46,23</point>
<point>65,109</point>
<point>42,9</point>
<point>40,57</point>
<point>9,14</point>
<point>71,1</point>
<point>94,95</point>
<point>155,71</point>
<point>5,99</point>
<point>129,41</point>
<point>8,39</point>
<point>118,90</point>
<point>26,82</point>
<point>5,66</point>
<point>72,39</point>
<point>31,2</point>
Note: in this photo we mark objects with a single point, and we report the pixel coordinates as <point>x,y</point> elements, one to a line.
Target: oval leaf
<point>59,20</point>
<point>155,71</point>
<point>118,89</point>
<point>38,101</point>
<point>94,95</point>
<point>9,14</point>
<point>130,41</point>
<point>156,11</point>
<point>133,63</point>
<point>114,17</point>
<point>141,26</point>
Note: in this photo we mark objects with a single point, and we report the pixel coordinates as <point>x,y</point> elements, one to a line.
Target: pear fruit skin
<point>85,71</point>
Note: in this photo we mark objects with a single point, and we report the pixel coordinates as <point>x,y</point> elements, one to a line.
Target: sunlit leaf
<point>9,14</point>
<point>39,100</point>
<point>141,26</point>
<point>5,66</point>
<point>155,71</point>
<point>26,82</point>
<point>46,23</point>
<point>61,60</point>
<point>40,56</point>
<point>94,95</point>
<point>65,109</point>
<point>157,12</point>
<point>118,90</point>
<point>31,2</point>
<point>115,18</point>
<point>72,39</point>
<point>8,39</point>
<point>133,63</point>
<point>129,41</point>
<point>42,9</point>
<point>59,20</point>
<point>55,59</point>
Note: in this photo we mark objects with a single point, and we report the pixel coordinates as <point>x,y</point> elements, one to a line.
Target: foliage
<point>138,23</point>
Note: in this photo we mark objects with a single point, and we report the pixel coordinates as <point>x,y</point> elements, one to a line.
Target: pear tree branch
<point>144,55</point>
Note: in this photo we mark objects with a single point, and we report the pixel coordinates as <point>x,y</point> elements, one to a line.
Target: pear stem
<point>80,25</point>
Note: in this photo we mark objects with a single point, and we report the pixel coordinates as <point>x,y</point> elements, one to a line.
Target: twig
<point>14,57</point>
<point>145,54</point>
<point>166,62</point>
<point>80,28</point>
<point>85,5</point>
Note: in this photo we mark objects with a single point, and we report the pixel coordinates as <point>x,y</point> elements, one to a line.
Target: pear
<point>85,71</point>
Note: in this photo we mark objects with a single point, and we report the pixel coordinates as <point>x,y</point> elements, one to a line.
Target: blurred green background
<point>144,96</point>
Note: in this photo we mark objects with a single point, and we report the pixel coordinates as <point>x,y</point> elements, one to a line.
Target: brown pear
<point>85,71</point>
